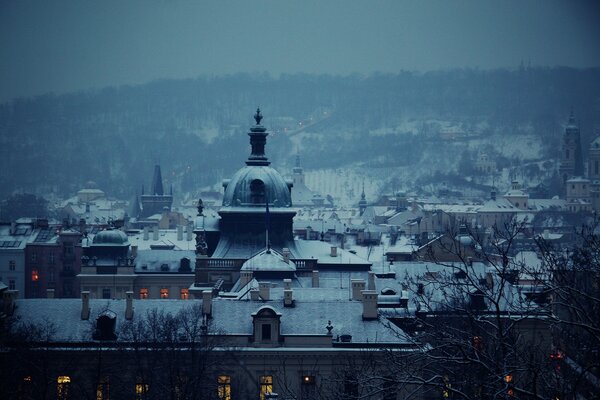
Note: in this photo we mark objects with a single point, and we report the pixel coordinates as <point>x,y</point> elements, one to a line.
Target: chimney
<point>308,229</point>
<point>134,250</point>
<point>129,305</point>
<point>254,294</point>
<point>245,277</point>
<point>13,228</point>
<point>358,285</point>
<point>404,299</point>
<point>179,232</point>
<point>493,194</point>
<point>546,234</point>
<point>288,300</point>
<point>287,284</point>
<point>85,304</point>
<point>49,293</point>
<point>286,255</point>
<point>146,232</point>
<point>371,281</point>
<point>207,302</point>
<point>189,232</point>
<point>264,289</point>
<point>8,301</point>
<point>369,304</point>
<point>315,278</point>
<point>155,233</point>
<point>333,251</point>
<point>489,280</point>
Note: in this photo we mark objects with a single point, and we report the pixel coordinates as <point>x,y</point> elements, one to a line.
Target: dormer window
<point>105,326</point>
<point>257,191</point>
<point>266,323</point>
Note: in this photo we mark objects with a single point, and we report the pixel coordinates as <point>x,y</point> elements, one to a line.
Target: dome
<point>110,237</point>
<point>251,185</point>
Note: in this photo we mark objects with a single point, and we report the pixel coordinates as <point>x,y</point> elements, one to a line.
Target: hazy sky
<point>70,45</point>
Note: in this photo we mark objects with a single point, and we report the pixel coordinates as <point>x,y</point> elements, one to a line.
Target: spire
<point>157,186</point>
<point>297,159</point>
<point>258,138</point>
<point>362,196</point>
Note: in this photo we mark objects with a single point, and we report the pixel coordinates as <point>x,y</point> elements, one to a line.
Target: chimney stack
<point>288,298</point>
<point>134,250</point>
<point>129,305</point>
<point>50,293</point>
<point>179,232</point>
<point>85,304</point>
<point>286,255</point>
<point>254,294</point>
<point>8,301</point>
<point>146,232</point>
<point>315,278</point>
<point>264,289</point>
<point>371,285</point>
<point>369,304</point>
<point>333,251</point>
<point>207,302</point>
<point>358,286</point>
<point>287,284</point>
<point>245,278</point>
<point>189,231</point>
<point>155,233</point>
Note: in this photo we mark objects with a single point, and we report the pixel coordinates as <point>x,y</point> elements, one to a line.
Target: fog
<point>63,46</point>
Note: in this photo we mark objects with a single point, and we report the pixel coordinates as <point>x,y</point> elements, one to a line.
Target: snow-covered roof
<point>268,260</point>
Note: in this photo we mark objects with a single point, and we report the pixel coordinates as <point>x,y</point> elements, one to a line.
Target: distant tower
<point>571,164</point>
<point>156,201</point>
<point>362,204</point>
<point>298,172</point>
<point>594,160</point>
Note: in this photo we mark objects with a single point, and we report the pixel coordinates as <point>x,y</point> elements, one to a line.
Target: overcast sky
<point>63,46</point>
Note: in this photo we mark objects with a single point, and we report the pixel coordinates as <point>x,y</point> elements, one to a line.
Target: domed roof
<point>111,237</point>
<point>251,185</point>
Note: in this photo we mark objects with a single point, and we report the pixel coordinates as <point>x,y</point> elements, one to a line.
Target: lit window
<point>62,387</point>
<point>224,387</point>
<point>308,380</point>
<point>143,293</point>
<point>141,389</point>
<point>164,293</point>
<point>102,392</point>
<point>266,386</point>
<point>12,265</point>
<point>185,294</point>
<point>34,275</point>
<point>477,343</point>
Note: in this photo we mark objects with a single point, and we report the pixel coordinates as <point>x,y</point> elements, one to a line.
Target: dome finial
<point>258,117</point>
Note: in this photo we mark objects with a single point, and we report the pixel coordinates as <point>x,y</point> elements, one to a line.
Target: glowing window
<point>143,293</point>
<point>34,275</point>
<point>164,293</point>
<point>141,389</point>
<point>102,391</point>
<point>224,387</point>
<point>266,386</point>
<point>185,294</point>
<point>508,378</point>
<point>62,387</point>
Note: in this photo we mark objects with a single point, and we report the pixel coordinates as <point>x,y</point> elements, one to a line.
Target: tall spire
<point>258,138</point>
<point>157,186</point>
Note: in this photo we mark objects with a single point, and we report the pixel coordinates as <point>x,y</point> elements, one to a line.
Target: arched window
<point>257,191</point>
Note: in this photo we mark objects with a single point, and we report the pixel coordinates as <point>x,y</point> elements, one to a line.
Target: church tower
<point>156,201</point>
<point>571,164</point>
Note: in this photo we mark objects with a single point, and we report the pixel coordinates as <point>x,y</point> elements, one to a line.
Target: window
<point>141,389</point>
<point>596,167</point>
<point>62,387</point>
<point>266,331</point>
<point>102,391</point>
<point>106,293</point>
<point>51,275</point>
<point>51,258</point>
<point>11,284</point>
<point>33,257</point>
<point>12,265</point>
<point>164,293</point>
<point>266,386</point>
<point>257,191</point>
<point>185,294</point>
<point>143,293</point>
<point>34,275</point>
<point>308,387</point>
<point>224,387</point>
<point>390,388</point>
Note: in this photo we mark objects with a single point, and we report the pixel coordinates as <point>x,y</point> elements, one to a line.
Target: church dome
<point>253,184</point>
<point>110,237</point>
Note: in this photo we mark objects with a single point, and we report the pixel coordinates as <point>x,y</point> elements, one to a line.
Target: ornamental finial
<point>258,117</point>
